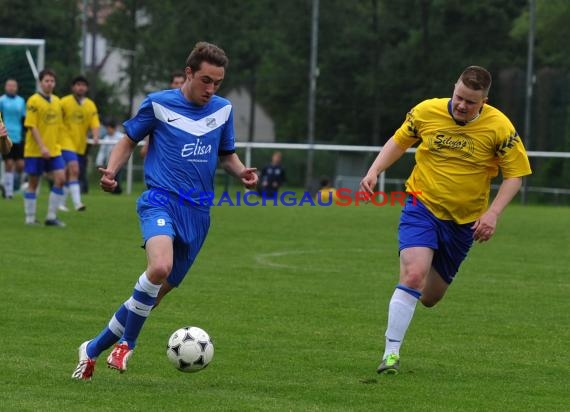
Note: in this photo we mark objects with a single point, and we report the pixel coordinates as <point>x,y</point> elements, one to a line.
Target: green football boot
<point>390,365</point>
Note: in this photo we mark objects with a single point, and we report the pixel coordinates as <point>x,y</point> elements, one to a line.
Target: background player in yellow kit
<point>79,116</point>
<point>42,152</point>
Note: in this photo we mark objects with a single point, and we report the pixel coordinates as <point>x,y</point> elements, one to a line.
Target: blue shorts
<point>449,240</point>
<point>69,156</point>
<point>36,166</point>
<point>186,225</point>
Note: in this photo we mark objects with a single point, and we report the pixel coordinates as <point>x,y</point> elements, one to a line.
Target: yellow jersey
<point>455,163</point>
<point>44,114</point>
<point>78,118</point>
<point>326,195</point>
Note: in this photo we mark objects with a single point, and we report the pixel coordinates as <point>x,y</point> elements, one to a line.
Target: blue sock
<point>139,306</point>
<point>110,335</point>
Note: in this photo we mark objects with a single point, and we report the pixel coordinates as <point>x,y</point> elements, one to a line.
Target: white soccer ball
<point>190,349</point>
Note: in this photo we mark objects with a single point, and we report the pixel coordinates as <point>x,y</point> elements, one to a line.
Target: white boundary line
<point>266,259</point>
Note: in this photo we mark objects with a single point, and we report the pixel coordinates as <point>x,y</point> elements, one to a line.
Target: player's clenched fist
<point>249,178</point>
<point>107,182</point>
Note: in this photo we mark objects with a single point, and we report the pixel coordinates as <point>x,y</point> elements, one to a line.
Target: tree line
<point>377,58</point>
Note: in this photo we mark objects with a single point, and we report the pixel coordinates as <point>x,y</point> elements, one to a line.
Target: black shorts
<point>16,153</point>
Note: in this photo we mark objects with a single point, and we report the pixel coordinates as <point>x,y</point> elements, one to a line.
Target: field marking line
<point>267,259</point>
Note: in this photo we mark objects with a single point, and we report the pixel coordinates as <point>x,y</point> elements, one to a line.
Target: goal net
<point>21,59</point>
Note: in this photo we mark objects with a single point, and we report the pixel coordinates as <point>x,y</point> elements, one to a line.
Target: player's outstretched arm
<point>119,156</point>
<point>391,152</point>
<point>235,167</point>
<point>486,225</point>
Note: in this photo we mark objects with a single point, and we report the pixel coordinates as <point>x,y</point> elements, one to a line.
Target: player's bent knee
<point>413,280</point>
<point>58,179</point>
<point>157,272</point>
<point>73,171</point>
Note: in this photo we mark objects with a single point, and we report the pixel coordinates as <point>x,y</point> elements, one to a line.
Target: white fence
<point>250,146</point>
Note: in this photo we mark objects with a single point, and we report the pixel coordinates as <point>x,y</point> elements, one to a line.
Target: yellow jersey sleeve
<point>93,115</point>
<point>512,156</point>
<point>407,135</point>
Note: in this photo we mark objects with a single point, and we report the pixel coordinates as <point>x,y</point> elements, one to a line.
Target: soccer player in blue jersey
<point>462,143</point>
<point>189,129</point>
<point>13,110</point>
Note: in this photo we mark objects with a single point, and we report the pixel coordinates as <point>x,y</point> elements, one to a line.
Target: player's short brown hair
<point>206,52</point>
<point>476,78</point>
<point>46,72</point>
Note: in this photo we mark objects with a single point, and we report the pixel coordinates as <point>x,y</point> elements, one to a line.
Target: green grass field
<point>295,299</point>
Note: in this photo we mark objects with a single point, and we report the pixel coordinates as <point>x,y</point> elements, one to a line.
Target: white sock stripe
<point>139,308</point>
<point>144,285</point>
<point>116,327</point>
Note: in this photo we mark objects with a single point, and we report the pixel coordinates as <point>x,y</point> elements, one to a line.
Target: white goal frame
<point>37,65</point>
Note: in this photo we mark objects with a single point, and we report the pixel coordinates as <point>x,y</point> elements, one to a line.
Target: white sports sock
<point>9,184</point>
<point>400,313</point>
<point>30,206</point>
<point>75,191</point>
<point>54,202</point>
<point>65,195</point>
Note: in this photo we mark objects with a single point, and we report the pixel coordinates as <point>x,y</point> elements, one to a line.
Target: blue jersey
<point>13,110</point>
<point>185,141</point>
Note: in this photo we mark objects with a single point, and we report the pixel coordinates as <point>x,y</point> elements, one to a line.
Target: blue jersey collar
<point>460,123</point>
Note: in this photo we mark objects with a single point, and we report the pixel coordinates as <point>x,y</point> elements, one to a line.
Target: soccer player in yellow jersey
<point>327,193</point>
<point>79,116</point>
<point>42,152</point>
<point>462,142</point>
